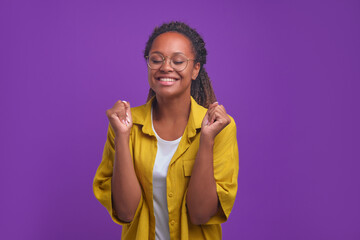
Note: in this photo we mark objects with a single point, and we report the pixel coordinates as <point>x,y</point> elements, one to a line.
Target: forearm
<point>202,199</point>
<point>126,189</point>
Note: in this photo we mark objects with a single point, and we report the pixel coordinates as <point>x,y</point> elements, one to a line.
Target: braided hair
<point>201,89</point>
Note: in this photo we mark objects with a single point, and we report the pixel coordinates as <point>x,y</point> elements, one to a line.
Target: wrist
<point>122,138</point>
<point>206,141</point>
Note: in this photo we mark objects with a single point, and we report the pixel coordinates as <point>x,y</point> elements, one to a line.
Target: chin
<point>172,94</point>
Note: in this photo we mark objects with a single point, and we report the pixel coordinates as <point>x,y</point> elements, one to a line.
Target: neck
<point>174,109</point>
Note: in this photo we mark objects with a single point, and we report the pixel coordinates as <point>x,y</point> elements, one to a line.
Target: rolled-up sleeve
<point>226,168</point>
<point>103,177</point>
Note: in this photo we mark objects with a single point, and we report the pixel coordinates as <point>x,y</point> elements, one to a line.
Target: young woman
<point>169,168</point>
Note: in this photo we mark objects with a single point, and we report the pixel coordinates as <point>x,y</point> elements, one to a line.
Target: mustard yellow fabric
<point>143,148</point>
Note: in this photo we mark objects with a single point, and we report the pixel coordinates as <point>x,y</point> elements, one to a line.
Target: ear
<point>196,71</point>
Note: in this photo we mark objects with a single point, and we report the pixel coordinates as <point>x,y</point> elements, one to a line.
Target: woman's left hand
<point>214,121</point>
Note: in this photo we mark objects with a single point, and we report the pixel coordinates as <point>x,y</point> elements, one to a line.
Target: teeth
<point>167,79</point>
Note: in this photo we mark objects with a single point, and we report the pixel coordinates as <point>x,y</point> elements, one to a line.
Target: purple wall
<point>287,71</point>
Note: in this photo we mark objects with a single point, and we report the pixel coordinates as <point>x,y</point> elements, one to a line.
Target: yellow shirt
<point>143,148</point>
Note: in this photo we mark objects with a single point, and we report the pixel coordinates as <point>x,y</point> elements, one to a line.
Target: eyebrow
<point>172,54</point>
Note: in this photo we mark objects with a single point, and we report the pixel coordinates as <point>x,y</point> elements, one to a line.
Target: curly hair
<point>201,89</point>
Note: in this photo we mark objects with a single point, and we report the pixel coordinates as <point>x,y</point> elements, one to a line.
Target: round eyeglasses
<point>178,62</point>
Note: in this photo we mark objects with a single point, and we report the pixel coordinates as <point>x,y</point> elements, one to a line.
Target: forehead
<point>172,42</point>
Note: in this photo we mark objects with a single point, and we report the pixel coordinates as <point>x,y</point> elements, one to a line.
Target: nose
<point>166,66</point>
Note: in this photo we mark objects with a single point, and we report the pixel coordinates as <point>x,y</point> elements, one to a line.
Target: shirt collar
<point>142,116</point>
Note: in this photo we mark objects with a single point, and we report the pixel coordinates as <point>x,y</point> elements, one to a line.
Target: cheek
<point>150,77</point>
<point>187,74</point>
<point>150,74</point>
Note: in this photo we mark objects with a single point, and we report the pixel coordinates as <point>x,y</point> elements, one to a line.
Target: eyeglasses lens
<point>178,62</point>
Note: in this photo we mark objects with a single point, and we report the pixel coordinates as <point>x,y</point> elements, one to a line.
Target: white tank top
<point>165,151</point>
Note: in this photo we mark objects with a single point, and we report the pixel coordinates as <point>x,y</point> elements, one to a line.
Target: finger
<point>220,113</point>
<point>206,119</point>
<point>122,118</point>
<point>218,116</point>
<point>212,105</point>
<point>209,116</point>
<point>119,110</point>
<point>112,113</point>
<point>128,112</point>
<point>212,112</point>
<point>222,109</point>
<point>212,117</point>
<point>224,115</point>
<point>118,104</point>
<point>211,109</point>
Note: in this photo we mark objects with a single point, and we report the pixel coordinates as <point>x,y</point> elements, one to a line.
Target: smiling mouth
<point>166,79</point>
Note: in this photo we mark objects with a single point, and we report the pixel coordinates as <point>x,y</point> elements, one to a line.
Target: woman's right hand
<point>120,118</point>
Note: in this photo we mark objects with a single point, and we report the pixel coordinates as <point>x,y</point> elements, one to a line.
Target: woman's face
<point>165,81</point>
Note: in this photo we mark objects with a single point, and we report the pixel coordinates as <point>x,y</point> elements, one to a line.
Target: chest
<point>169,131</point>
<point>179,168</point>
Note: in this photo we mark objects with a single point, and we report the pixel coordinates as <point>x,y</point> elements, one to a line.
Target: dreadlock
<point>201,89</point>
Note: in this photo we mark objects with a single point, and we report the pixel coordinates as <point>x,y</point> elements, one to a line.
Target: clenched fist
<point>214,121</point>
<point>120,118</point>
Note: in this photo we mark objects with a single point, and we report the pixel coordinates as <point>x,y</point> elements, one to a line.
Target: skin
<point>170,115</point>
<point>172,107</point>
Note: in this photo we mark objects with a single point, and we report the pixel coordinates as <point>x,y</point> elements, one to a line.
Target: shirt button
<point>170,194</point>
<point>172,222</point>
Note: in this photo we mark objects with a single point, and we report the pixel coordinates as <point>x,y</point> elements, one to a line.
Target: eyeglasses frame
<point>171,62</point>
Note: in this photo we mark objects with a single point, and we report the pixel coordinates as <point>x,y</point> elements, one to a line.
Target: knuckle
<point>109,112</point>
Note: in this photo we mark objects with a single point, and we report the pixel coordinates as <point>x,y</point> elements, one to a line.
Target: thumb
<point>206,119</point>
<point>128,111</point>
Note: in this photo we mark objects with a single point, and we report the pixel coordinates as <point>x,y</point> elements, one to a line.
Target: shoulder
<point>141,113</point>
<point>138,112</point>
<point>198,112</point>
<point>232,123</point>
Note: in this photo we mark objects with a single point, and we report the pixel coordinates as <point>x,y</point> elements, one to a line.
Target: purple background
<point>287,71</point>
